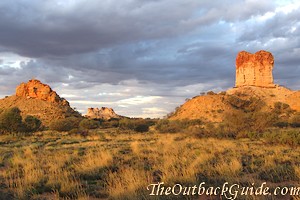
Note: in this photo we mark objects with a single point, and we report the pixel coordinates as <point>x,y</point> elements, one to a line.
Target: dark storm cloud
<point>41,28</point>
<point>136,50</point>
<point>109,42</point>
<point>280,35</point>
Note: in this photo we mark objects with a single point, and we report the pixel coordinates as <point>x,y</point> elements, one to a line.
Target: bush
<point>65,124</point>
<point>288,137</point>
<point>138,125</point>
<point>89,124</point>
<point>281,124</point>
<point>279,173</point>
<point>280,108</point>
<point>32,123</point>
<point>295,121</point>
<point>167,126</point>
<point>211,93</point>
<point>142,128</point>
<point>246,105</point>
<point>238,122</point>
<point>11,120</point>
<point>112,123</point>
<point>175,126</point>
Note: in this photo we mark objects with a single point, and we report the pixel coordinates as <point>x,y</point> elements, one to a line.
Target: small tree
<point>63,124</point>
<point>11,120</point>
<point>88,124</point>
<point>32,123</point>
<point>138,125</point>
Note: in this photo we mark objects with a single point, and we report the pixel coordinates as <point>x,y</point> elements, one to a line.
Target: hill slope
<point>212,107</point>
<point>39,100</point>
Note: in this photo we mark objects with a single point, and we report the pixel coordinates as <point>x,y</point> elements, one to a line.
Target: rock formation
<point>253,80</point>
<point>39,100</point>
<point>35,89</point>
<point>254,69</point>
<point>102,113</point>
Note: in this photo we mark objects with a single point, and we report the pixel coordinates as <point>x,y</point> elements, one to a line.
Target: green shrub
<point>175,126</point>
<point>211,93</point>
<point>74,121</point>
<point>112,123</point>
<point>89,124</point>
<point>281,124</point>
<point>167,126</point>
<point>138,125</point>
<point>280,108</point>
<point>11,120</point>
<point>247,105</point>
<point>238,122</point>
<point>65,124</point>
<point>32,123</point>
<point>279,173</point>
<point>295,121</point>
<point>282,136</point>
<point>142,127</point>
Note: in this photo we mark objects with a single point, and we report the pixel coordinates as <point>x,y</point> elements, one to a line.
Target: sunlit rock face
<point>35,89</point>
<point>102,113</point>
<point>39,100</point>
<point>254,69</point>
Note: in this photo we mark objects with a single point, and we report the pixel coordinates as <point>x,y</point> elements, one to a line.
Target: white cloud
<point>9,59</point>
<point>137,100</point>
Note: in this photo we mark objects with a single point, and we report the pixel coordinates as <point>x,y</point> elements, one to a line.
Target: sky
<point>142,58</point>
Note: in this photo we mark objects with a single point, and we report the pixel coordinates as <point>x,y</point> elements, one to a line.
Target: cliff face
<point>102,113</point>
<point>254,69</point>
<point>35,89</point>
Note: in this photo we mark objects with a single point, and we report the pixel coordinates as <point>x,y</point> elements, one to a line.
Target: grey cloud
<point>173,49</point>
<point>279,35</point>
<point>43,28</point>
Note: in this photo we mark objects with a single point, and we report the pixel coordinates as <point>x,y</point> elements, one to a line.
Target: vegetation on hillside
<point>11,122</point>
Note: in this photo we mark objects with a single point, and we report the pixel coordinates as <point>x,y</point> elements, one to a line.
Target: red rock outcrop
<point>254,69</point>
<point>253,79</point>
<point>37,99</point>
<point>102,113</point>
<point>35,89</point>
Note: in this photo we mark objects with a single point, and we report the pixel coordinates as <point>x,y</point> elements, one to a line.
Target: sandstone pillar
<point>254,69</point>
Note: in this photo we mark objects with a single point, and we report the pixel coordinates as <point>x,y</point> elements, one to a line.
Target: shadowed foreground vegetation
<point>119,164</point>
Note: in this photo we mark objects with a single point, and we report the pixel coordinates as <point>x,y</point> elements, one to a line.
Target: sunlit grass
<point>120,166</point>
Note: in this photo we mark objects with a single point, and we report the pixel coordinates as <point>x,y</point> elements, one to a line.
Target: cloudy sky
<point>142,57</point>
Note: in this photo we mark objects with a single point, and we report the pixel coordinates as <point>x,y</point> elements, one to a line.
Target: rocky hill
<point>254,82</point>
<point>39,100</point>
<point>102,113</point>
